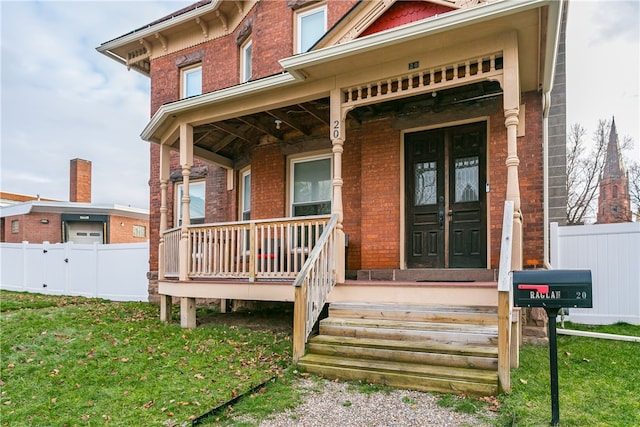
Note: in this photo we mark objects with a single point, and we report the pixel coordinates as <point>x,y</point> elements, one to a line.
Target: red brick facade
<point>31,229</point>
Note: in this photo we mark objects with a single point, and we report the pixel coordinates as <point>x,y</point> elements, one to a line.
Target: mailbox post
<point>553,290</point>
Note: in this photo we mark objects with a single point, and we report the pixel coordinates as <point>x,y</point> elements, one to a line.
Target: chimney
<point>80,181</point>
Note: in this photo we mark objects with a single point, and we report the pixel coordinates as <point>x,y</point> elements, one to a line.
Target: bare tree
<point>634,188</point>
<point>584,168</point>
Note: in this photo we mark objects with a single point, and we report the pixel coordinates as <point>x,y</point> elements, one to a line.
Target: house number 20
<point>336,129</point>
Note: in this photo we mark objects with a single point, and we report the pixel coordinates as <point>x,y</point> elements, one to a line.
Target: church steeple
<point>613,167</point>
<point>614,201</point>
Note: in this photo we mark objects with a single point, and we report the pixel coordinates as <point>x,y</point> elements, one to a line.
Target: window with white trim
<point>196,203</point>
<point>15,226</point>
<point>311,186</point>
<point>245,61</point>
<point>245,198</point>
<point>191,81</point>
<point>311,24</point>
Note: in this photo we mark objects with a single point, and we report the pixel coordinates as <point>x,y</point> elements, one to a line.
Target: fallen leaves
<point>494,404</point>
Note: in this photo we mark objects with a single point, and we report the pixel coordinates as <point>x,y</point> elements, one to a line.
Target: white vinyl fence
<point>612,253</point>
<point>116,272</point>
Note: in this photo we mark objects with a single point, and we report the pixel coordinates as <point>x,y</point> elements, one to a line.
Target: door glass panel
<point>426,183</point>
<point>467,172</point>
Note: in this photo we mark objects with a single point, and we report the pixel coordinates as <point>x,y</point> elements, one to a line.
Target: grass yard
<point>599,382</point>
<point>77,361</point>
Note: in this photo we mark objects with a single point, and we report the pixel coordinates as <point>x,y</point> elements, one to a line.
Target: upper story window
<point>311,186</point>
<point>191,81</point>
<point>196,203</point>
<point>311,24</point>
<point>245,61</point>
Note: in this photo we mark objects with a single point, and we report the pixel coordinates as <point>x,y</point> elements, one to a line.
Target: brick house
<point>36,220</point>
<point>362,151</point>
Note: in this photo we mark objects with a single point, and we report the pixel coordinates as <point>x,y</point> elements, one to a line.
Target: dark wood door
<point>466,223</point>
<point>425,198</point>
<point>445,197</point>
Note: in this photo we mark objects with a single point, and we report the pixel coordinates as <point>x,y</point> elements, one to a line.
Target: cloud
<point>617,21</point>
<point>61,99</point>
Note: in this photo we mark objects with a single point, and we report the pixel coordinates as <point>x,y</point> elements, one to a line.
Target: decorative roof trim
<point>152,29</point>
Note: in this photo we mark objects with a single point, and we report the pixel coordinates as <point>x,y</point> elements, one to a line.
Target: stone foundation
<point>534,326</point>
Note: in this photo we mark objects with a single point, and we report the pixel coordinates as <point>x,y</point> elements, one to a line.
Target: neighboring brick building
<point>37,220</point>
<point>614,200</point>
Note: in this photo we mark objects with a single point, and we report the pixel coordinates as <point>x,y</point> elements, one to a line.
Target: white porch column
<point>511,100</point>
<point>337,141</point>
<point>165,300</point>
<point>187,305</point>
<point>186,161</point>
<point>513,186</point>
<point>164,182</point>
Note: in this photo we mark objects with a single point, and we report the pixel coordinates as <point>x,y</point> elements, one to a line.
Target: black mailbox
<point>552,288</point>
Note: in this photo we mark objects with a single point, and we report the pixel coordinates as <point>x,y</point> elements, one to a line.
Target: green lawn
<point>599,382</point>
<point>77,361</point>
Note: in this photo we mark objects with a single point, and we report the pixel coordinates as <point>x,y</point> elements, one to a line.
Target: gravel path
<point>329,404</point>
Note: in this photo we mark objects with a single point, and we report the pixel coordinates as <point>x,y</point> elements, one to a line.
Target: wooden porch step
<point>414,376</point>
<point>451,349</point>
<point>428,353</point>
<point>477,315</point>
<point>450,333</point>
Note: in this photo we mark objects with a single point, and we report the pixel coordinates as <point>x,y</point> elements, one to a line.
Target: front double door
<point>445,205</point>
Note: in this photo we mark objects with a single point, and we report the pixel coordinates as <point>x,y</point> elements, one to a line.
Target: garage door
<point>86,232</point>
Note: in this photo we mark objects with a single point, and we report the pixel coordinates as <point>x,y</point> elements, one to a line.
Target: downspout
<point>546,105</point>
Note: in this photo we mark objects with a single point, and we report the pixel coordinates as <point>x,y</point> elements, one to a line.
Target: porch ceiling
<point>235,138</point>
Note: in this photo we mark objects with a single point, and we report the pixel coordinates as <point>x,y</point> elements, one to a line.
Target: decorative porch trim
<point>486,67</point>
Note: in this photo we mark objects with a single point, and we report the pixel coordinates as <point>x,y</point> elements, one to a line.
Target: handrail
<point>312,286</point>
<point>505,299</point>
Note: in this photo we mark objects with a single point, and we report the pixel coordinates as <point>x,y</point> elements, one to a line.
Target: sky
<point>61,99</point>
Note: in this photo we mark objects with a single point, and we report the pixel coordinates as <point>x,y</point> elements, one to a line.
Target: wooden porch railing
<point>312,286</point>
<point>260,249</point>
<point>505,301</point>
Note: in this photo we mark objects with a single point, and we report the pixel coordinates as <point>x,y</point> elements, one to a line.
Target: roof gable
<point>370,17</point>
<point>405,12</point>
